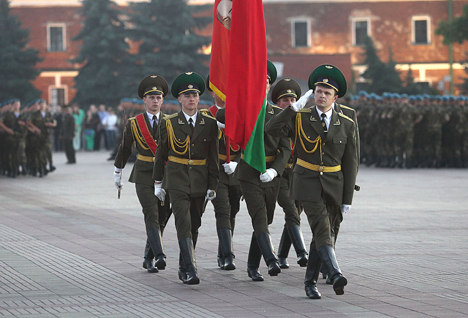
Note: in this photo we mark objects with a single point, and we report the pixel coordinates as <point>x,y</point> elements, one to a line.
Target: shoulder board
<point>276,107</point>
<point>344,116</point>
<point>305,110</point>
<point>204,110</point>
<point>132,118</point>
<point>170,116</point>
<point>346,107</point>
<point>207,115</point>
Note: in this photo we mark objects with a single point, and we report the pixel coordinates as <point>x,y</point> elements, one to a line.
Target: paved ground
<point>70,248</point>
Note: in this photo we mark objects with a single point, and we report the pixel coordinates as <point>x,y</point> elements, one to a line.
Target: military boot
<point>327,255</point>
<point>188,256</point>
<point>148,254</point>
<point>298,242</point>
<point>253,260</point>
<point>225,242</point>
<point>154,237</point>
<point>266,246</point>
<point>311,276</point>
<point>283,249</point>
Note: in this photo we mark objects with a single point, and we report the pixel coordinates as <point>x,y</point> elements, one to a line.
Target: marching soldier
<point>227,201</point>
<point>189,145</point>
<point>283,95</point>
<point>326,167</point>
<point>143,131</point>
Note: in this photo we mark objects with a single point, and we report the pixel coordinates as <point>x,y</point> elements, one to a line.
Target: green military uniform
<point>292,232</point>
<point>191,170</point>
<point>324,174</point>
<point>67,133</point>
<point>143,132</point>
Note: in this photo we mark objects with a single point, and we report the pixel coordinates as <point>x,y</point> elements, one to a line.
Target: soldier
<point>67,133</point>
<point>143,131</point>
<point>189,145</point>
<point>227,201</point>
<point>49,124</point>
<point>260,191</point>
<point>326,167</point>
<point>283,95</point>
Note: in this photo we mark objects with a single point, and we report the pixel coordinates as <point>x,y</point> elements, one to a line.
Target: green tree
<point>17,61</point>
<point>410,86</point>
<point>104,54</point>
<point>383,77</point>
<point>170,43</point>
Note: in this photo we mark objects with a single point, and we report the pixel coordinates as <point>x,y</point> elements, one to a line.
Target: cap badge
<point>287,79</point>
<point>289,91</point>
<point>189,73</point>
<point>329,67</point>
<point>325,80</point>
<point>190,86</point>
<point>154,87</point>
<point>154,76</point>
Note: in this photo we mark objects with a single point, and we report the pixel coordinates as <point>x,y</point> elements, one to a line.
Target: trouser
<point>291,213</point>
<point>69,150</point>
<point>149,204</point>
<point>336,217</point>
<point>226,205</point>
<point>319,222</point>
<point>261,203</point>
<point>187,214</point>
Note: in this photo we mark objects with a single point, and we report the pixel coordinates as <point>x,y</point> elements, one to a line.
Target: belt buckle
<point>190,162</point>
<point>320,169</point>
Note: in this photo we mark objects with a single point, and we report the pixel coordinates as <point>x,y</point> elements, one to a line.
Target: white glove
<point>159,192</point>
<point>118,180</point>
<point>230,167</point>
<point>300,104</point>
<point>220,125</point>
<point>268,175</point>
<point>210,194</point>
<point>345,208</point>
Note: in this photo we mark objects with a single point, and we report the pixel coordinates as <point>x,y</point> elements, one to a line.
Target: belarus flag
<point>238,73</point>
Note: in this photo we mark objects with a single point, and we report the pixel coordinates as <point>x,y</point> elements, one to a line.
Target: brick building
<point>301,34</point>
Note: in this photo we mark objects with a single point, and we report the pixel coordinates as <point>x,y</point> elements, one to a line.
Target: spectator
<point>100,131</point>
<point>79,116</point>
<point>110,124</point>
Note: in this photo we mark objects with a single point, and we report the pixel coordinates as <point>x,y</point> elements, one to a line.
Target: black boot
<point>225,242</point>
<point>154,237</point>
<point>188,256</point>
<point>148,253</point>
<point>253,260</point>
<point>298,242</point>
<point>327,255</point>
<point>283,249</point>
<point>311,276</point>
<point>220,257</point>
<point>148,264</point>
<point>266,246</point>
<point>182,271</point>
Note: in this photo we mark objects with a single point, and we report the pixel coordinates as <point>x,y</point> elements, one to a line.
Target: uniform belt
<point>223,157</point>
<point>317,168</point>
<point>189,162</point>
<point>145,158</point>
<point>289,165</point>
<point>267,158</point>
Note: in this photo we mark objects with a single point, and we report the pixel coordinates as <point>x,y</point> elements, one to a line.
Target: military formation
<point>416,131</point>
<point>26,147</point>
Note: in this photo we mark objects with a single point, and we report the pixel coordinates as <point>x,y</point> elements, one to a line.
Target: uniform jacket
<point>278,146</point>
<point>142,171</point>
<point>192,179</point>
<point>68,127</point>
<point>338,148</point>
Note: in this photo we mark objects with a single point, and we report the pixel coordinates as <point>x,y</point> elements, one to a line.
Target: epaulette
<point>344,116</point>
<point>132,118</point>
<point>276,107</point>
<point>305,110</point>
<point>207,115</point>
<point>170,116</point>
<point>346,107</point>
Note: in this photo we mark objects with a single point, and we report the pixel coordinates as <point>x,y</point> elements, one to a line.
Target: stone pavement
<point>70,248</point>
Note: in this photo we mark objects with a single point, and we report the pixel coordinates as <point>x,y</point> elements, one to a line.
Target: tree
<point>17,61</point>
<point>410,86</point>
<point>170,41</point>
<point>104,54</point>
<point>383,77</point>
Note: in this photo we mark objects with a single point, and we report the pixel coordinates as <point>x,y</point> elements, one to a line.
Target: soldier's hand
<point>268,175</point>
<point>345,208</point>
<point>118,180</point>
<point>159,192</point>
<point>230,167</point>
<point>210,194</point>
<point>220,125</point>
<point>300,104</point>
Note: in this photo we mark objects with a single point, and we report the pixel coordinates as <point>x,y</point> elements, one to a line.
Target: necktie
<point>191,124</point>
<point>324,123</point>
<point>155,123</point>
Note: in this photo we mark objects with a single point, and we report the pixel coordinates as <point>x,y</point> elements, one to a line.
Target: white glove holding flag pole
<point>230,167</point>
<point>210,194</point>
<point>268,175</point>
<point>159,192</point>
<point>300,104</point>
<point>118,180</point>
<point>220,125</point>
<point>345,208</point>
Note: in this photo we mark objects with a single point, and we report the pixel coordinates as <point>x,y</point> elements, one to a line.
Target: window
<point>421,30</point>
<point>361,30</point>
<point>300,36</point>
<point>57,96</point>
<point>56,38</point>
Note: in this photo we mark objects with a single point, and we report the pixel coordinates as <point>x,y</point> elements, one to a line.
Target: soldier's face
<point>268,86</point>
<point>284,102</point>
<point>189,102</point>
<point>324,97</point>
<point>153,103</point>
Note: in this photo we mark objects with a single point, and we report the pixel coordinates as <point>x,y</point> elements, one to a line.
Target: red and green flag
<point>238,73</point>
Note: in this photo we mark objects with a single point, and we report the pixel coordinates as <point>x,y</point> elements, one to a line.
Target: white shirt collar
<point>150,117</point>
<point>194,117</point>
<point>328,113</point>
